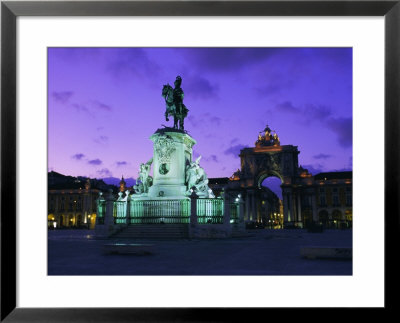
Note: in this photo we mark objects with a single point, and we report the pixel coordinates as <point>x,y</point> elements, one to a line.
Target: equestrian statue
<point>174,103</point>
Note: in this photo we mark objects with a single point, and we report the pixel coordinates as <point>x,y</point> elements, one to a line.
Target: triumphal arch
<point>268,158</point>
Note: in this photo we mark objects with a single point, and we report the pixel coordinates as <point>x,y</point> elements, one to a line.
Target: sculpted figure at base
<point>196,179</point>
<point>144,180</point>
<point>174,103</point>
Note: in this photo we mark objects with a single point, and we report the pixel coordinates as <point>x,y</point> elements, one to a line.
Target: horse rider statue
<point>174,103</point>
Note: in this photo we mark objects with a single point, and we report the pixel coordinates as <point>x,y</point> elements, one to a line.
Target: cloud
<point>204,119</point>
<point>322,156</point>
<point>95,162</point>
<point>105,172</point>
<point>121,163</point>
<point>212,158</point>
<point>227,59</point>
<point>75,54</point>
<point>91,107</point>
<point>275,83</point>
<point>343,128</point>
<point>288,107</point>
<point>101,140</point>
<point>310,112</point>
<point>80,107</point>
<point>78,156</point>
<point>199,87</point>
<point>234,150</point>
<point>62,97</point>
<point>97,105</point>
<point>317,112</point>
<point>268,89</point>
<point>131,61</point>
<point>234,140</point>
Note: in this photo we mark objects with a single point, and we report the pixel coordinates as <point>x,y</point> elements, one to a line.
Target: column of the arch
<point>285,207</point>
<point>292,215</point>
<point>289,215</point>
<point>298,207</point>
<point>253,207</point>
<point>257,206</point>
<point>247,218</point>
<point>314,208</point>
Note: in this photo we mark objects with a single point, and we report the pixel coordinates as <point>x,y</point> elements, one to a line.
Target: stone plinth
<point>172,152</point>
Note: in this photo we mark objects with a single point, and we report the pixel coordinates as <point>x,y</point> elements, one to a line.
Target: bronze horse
<point>178,111</point>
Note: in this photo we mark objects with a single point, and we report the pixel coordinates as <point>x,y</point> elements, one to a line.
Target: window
<point>334,190</point>
<point>322,190</point>
<point>306,201</point>
<point>336,200</point>
<point>322,200</point>
<point>349,201</point>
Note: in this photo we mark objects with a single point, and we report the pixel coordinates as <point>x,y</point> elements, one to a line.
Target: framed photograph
<point>91,94</point>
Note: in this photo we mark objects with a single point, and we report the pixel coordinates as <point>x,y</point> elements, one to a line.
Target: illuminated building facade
<point>72,201</point>
<point>334,199</point>
<point>325,198</point>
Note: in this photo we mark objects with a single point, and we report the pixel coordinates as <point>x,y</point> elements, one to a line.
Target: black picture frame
<point>10,10</point>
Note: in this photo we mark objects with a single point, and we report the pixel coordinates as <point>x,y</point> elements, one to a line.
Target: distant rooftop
<point>57,181</point>
<point>334,175</point>
<point>218,180</point>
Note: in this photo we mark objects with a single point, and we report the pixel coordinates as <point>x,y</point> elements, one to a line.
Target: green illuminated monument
<point>175,199</point>
<point>175,174</point>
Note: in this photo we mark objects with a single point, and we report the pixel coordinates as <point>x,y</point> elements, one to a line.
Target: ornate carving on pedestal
<point>189,143</point>
<point>164,147</point>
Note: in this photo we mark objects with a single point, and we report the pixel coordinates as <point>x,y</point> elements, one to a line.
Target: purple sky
<point>105,103</point>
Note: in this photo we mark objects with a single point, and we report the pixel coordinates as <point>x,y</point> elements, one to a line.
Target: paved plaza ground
<point>262,252</point>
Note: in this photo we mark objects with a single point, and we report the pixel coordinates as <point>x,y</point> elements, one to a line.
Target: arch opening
<point>271,210</point>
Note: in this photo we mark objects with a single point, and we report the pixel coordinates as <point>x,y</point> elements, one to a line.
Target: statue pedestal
<point>172,152</point>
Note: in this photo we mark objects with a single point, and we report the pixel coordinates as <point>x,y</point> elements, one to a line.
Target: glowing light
<point>55,225</point>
